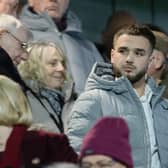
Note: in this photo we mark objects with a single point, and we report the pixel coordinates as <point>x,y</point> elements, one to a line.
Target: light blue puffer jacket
<point>106,97</point>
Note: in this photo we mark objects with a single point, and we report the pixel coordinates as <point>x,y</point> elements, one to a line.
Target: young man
<point>52,21</point>
<point>124,90</point>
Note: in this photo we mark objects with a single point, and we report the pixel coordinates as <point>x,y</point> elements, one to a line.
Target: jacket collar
<point>103,77</point>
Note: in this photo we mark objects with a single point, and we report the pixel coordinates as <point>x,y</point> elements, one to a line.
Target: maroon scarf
<point>12,154</point>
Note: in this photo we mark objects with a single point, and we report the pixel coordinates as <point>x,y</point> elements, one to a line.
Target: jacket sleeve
<point>85,112</point>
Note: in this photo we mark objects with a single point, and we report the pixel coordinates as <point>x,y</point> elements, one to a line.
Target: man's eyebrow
<point>140,50</point>
<point>122,47</point>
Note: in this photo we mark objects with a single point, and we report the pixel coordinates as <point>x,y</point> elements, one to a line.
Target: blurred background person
<point>53,21</point>
<point>21,144</point>
<point>46,74</point>
<point>158,67</point>
<point>14,38</point>
<point>107,145</point>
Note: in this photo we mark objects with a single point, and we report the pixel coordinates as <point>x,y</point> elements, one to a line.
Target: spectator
<point>21,145</point>
<point>123,89</point>
<point>45,73</point>
<point>8,69</point>
<point>158,67</point>
<point>54,22</point>
<point>9,7</point>
<point>14,37</point>
<point>107,145</point>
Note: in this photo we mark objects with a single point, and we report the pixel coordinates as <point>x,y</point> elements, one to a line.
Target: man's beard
<point>133,79</point>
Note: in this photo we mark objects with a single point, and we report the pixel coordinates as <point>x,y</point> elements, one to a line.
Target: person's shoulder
<point>35,101</point>
<point>41,133</point>
<point>86,105</point>
<point>41,137</point>
<point>89,95</point>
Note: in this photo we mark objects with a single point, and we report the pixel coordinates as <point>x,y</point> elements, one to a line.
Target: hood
<point>43,22</point>
<point>102,77</point>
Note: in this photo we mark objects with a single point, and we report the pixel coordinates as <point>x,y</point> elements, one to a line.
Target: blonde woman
<point>19,144</point>
<point>45,73</point>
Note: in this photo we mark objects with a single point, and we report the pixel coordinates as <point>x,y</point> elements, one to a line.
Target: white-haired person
<point>21,143</point>
<point>45,73</point>
<point>14,37</point>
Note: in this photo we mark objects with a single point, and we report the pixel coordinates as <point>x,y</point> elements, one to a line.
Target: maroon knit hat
<point>109,136</point>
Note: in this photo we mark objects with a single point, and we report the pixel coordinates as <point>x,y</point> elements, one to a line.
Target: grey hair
<point>12,24</point>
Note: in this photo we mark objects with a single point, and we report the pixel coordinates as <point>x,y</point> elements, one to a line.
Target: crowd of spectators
<point>66,102</point>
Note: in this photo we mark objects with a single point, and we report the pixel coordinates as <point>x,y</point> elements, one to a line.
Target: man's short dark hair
<point>137,30</point>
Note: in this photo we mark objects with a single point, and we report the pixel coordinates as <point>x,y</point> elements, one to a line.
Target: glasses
<point>23,45</point>
<point>98,164</point>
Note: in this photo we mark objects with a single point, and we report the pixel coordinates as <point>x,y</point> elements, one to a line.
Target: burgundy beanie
<point>109,136</point>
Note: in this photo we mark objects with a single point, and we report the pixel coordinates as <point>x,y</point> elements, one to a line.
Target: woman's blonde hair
<point>31,69</point>
<point>14,106</point>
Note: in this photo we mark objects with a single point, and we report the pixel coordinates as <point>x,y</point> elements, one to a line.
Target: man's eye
<point>138,53</point>
<point>123,51</point>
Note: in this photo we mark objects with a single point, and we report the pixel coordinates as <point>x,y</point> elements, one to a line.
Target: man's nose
<point>130,57</point>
